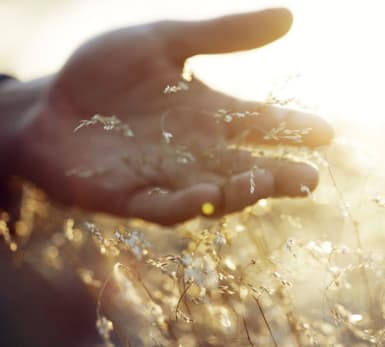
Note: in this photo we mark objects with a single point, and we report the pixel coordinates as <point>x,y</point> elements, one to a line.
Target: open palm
<point>160,148</point>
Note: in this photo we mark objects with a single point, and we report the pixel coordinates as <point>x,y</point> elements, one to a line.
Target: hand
<point>178,158</point>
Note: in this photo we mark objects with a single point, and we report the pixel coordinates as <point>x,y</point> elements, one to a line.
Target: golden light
<point>217,279</point>
<point>331,60</point>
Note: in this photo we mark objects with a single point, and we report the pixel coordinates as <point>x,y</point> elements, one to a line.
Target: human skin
<point>124,73</point>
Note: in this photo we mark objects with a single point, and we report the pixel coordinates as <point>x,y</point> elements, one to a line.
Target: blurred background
<point>331,62</point>
<point>334,46</point>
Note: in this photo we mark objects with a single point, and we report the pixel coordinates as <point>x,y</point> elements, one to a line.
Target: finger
<point>250,122</point>
<point>225,34</point>
<point>238,192</point>
<point>295,179</point>
<point>268,178</point>
<point>244,179</point>
<point>274,125</point>
<point>291,179</point>
<point>225,167</point>
<point>169,208</point>
<point>226,192</point>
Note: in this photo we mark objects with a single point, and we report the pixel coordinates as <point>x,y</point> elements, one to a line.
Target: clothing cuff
<point>5,77</point>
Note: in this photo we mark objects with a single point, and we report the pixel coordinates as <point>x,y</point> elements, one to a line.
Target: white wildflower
<point>200,270</point>
<point>305,189</point>
<point>109,123</point>
<point>157,191</point>
<point>219,240</point>
<point>283,133</point>
<point>228,116</point>
<point>379,200</point>
<point>252,179</point>
<point>181,86</point>
<point>134,241</point>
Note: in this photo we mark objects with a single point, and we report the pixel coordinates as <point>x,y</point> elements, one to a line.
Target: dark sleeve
<point>4,77</point>
<point>4,192</point>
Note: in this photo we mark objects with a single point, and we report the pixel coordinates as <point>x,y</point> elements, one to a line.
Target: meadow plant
<point>283,272</point>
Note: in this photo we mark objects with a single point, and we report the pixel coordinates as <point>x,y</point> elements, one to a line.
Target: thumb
<point>225,34</point>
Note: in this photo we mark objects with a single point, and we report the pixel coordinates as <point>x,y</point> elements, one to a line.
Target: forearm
<point>19,103</point>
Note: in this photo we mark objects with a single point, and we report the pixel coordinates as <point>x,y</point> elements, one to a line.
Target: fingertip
<point>323,135</point>
<point>289,16</point>
<point>284,17</point>
<point>315,130</point>
<point>295,179</point>
<point>273,22</point>
<point>320,133</point>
